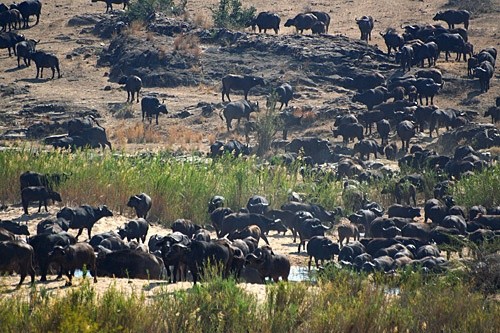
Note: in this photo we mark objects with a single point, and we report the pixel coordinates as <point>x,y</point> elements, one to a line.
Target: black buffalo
<point>45,60</point>
<point>302,22</point>
<point>239,82</point>
<point>141,203</point>
<point>266,20</point>
<point>28,8</point>
<point>15,227</point>
<point>135,229</point>
<point>365,25</point>
<point>453,17</point>
<point>133,85</point>
<point>17,256</point>
<point>8,40</point>
<point>269,264</point>
<point>24,50</point>
<point>151,106</point>
<point>109,3</point>
<point>40,194</point>
<point>130,264</point>
<point>392,40</point>
<point>42,245</point>
<point>83,217</point>
<point>237,110</point>
<point>72,257</point>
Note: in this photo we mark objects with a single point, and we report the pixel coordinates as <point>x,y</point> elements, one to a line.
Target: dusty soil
<point>86,88</point>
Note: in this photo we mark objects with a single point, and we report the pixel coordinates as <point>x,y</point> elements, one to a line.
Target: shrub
<point>141,10</point>
<point>231,14</point>
<point>267,126</point>
<point>474,6</point>
<point>188,45</point>
<point>479,189</point>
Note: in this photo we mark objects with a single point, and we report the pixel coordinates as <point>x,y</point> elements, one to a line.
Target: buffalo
<point>484,72</point>
<point>24,50</point>
<point>239,82</point>
<point>83,217</point>
<point>45,60</point>
<point>135,229</point>
<point>151,106</point>
<point>186,227</point>
<point>269,264</point>
<point>257,204</point>
<point>28,8</point>
<point>133,85</point>
<point>42,245</point>
<point>346,231</point>
<point>453,17</point>
<point>237,110</point>
<point>30,178</point>
<point>17,256</point>
<point>365,25</point>
<point>302,22</point>
<point>392,40</point>
<point>141,203</point>
<point>40,194</point>
<point>405,130</point>
<point>72,257</point>
<point>284,94</point>
<point>16,228</point>
<point>130,264</point>
<point>109,3</point>
<point>8,40</point>
<point>266,20</point>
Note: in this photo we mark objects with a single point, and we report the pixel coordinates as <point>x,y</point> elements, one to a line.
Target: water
<point>79,273</point>
<point>300,273</point>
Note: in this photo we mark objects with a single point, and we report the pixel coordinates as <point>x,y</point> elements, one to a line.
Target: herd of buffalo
<point>379,242</point>
<point>383,239</point>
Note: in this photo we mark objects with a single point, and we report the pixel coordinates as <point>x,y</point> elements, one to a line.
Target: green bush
<point>267,126</point>
<point>231,14</point>
<point>340,301</point>
<point>141,10</point>
<point>479,189</point>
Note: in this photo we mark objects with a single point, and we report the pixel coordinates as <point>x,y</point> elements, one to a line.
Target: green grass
<point>179,188</point>
<point>479,189</point>
<point>347,303</point>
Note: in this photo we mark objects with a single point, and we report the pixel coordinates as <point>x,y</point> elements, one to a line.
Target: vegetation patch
<point>474,6</point>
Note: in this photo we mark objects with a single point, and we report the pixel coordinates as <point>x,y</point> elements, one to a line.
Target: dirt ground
<point>83,83</point>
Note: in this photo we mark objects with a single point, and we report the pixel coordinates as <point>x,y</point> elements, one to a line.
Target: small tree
<point>267,126</point>
<point>142,9</point>
<point>231,14</point>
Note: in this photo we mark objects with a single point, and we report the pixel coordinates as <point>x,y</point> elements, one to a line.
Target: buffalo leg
<point>79,232</point>
<point>263,236</point>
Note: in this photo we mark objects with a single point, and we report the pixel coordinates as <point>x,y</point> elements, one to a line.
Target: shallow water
<point>300,273</point>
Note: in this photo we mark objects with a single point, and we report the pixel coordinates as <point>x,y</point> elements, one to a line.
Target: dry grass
<point>138,133</point>
<point>188,44</point>
<point>135,28</point>
<point>202,21</point>
<point>181,134</point>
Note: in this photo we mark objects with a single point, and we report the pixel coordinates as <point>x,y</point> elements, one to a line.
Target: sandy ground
<point>279,243</point>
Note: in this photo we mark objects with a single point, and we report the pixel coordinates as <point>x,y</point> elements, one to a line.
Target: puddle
<point>300,273</point>
<point>79,273</point>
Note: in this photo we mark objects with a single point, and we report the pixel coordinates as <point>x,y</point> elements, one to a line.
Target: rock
<point>84,19</point>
